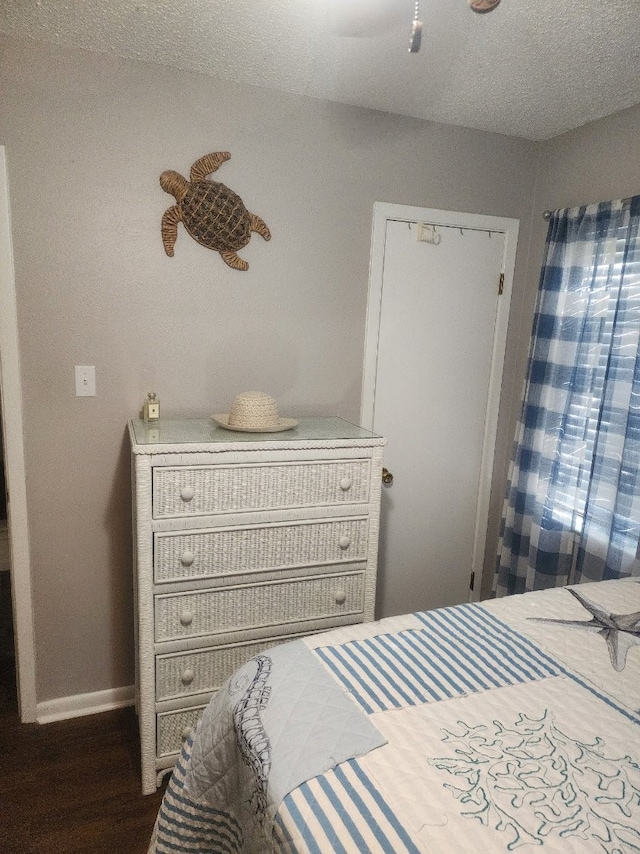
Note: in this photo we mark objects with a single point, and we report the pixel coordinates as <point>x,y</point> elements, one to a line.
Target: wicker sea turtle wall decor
<point>213,214</point>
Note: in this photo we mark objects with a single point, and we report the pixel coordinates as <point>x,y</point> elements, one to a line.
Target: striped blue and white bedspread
<point>507,725</point>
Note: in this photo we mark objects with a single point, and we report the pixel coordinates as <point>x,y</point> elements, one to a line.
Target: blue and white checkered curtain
<point>572,511</point>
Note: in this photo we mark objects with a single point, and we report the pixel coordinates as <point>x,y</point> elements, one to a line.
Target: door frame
<point>383,212</point>
<point>12,424</point>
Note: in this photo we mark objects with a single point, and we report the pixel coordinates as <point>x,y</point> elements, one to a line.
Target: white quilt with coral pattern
<point>509,725</point>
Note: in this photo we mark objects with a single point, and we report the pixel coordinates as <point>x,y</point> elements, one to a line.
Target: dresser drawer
<point>202,490</point>
<point>229,551</point>
<point>226,609</point>
<point>202,671</point>
<point>175,727</point>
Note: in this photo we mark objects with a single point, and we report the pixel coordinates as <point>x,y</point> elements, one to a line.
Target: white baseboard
<point>84,704</point>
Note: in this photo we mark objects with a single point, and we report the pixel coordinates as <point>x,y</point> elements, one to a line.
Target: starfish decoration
<point>620,631</point>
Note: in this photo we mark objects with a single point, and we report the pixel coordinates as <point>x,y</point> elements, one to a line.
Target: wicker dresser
<point>241,540</point>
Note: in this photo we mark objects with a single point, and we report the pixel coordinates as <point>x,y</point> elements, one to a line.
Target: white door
<point>436,330</point>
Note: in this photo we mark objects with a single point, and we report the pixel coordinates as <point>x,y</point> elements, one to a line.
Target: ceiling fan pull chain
<point>416,30</point>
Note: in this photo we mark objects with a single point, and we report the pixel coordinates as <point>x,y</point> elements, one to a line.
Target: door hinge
<point>472,581</point>
<point>501,284</point>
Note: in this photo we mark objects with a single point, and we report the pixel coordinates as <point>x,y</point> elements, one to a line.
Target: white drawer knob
<point>341,597</point>
<point>345,484</point>
<point>186,618</point>
<point>345,542</point>
<point>187,558</point>
<point>186,732</point>
<point>186,493</point>
<point>187,677</point>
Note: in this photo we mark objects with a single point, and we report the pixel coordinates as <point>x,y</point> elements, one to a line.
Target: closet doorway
<point>7,651</point>
<point>438,309</point>
<point>14,469</point>
<point>6,618</point>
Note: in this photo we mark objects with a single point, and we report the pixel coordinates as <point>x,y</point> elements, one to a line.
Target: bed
<point>511,724</point>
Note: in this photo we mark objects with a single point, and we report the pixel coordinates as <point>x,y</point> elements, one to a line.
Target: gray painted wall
<point>87,137</point>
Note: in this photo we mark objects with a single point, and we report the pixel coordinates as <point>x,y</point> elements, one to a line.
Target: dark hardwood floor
<point>71,787</point>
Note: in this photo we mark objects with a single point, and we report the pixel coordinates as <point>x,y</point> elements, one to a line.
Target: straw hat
<point>254,412</point>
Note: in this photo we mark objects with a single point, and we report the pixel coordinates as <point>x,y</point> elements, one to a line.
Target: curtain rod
<point>548,214</point>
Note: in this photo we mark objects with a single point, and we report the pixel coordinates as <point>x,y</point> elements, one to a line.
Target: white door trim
<point>383,211</point>
<point>11,387</point>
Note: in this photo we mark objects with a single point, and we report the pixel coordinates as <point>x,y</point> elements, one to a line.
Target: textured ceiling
<point>530,68</point>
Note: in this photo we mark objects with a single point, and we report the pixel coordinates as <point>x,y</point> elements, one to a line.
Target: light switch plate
<point>85,381</point>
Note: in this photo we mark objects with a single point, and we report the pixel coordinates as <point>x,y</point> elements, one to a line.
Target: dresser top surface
<point>205,432</point>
